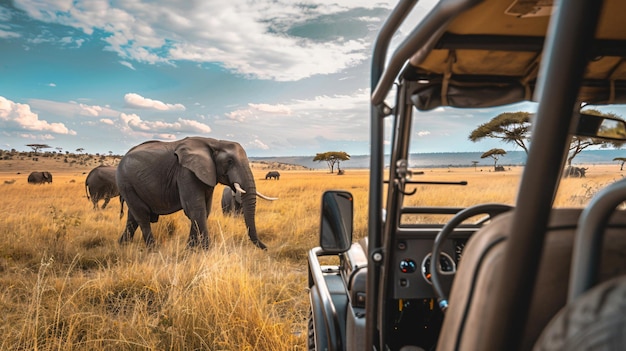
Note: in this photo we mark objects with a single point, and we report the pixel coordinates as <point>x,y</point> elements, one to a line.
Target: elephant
<point>158,178</point>
<point>100,184</point>
<point>576,172</point>
<point>40,177</point>
<point>272,175</point>
<point>231,202</point>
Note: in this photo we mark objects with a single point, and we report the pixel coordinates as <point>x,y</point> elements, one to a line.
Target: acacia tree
<point>579,143</point>
<point>621,160</point>
<point>37,147</point>
<point>495,154</point>
<point>510,127</point>
<point>332,158</point>
<point>514,127</point>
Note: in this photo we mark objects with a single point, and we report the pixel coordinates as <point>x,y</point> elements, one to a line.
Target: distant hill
<point>447,159</point>
<point>28,161</point>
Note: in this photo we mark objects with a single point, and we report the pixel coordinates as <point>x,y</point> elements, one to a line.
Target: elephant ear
<point>197,158</point>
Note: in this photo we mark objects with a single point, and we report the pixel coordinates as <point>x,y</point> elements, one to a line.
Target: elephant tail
<point>121,207</point>
<point>87,191</point>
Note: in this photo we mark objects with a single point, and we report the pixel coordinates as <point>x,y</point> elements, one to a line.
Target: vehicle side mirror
<point>337,221</point>
<point>601,127</point>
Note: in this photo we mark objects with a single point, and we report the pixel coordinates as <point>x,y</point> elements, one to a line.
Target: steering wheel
<point>490,209</point>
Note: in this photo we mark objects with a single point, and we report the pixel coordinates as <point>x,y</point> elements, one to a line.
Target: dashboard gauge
<point>408,266</point>
<point>459,246</point>
<point>446,266</point>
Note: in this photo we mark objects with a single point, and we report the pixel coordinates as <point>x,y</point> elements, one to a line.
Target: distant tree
<point>510,127</point>
<point>621,160</point>
<point>59,149</point>
<point>332,158</point>
<point>474,163</point>
<point>495,154</point>
<point>37,147</point>
<point>80,150</point>
<point>579,143</point>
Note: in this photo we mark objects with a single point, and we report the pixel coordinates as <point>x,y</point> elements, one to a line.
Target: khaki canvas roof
<point>490,54</point>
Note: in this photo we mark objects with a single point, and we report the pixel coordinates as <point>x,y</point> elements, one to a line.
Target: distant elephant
<point>40,177</point>
<point>272,175</point>
<point>157,178</point>
<point>231,202</point>
<point>100,184</point>
<point>576,172</point>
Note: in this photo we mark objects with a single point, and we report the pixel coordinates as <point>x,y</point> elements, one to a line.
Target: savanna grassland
<point>66,284</point>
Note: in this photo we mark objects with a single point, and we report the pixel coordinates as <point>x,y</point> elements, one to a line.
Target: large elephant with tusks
<point>158,178</point>
<point>39,177</point>
<point>100,185</point>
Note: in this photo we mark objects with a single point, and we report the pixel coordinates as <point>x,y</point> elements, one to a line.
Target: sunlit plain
<point>67,284</point>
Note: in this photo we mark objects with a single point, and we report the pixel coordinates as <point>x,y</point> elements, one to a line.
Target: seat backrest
<point>472,290</point>
<point>595,320</point>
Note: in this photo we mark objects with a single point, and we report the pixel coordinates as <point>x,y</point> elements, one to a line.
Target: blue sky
<point>281,77</point>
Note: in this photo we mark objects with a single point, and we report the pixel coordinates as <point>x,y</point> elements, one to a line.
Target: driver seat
<point>472,290</point>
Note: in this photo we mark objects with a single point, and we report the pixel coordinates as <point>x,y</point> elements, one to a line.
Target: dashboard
<point>411,266</point>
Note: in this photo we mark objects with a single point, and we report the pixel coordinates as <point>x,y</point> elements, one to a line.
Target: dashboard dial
<point>446,266</point>
<point>459,246</point>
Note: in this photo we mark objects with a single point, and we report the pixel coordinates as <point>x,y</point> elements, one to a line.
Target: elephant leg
<point>195,199</point>
<point>198,231</point>
<point>106,202</point>
<point>146,231</point>
<point>129,231</point>
<point>139,215</point>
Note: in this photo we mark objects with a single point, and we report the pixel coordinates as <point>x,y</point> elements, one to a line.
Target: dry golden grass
<point>66,284</point>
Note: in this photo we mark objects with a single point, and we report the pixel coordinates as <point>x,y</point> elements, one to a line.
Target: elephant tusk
<point>266,197</point>
<point>238,188</point>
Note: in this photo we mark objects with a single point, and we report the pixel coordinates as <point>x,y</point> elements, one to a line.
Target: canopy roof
<point>490,55</point>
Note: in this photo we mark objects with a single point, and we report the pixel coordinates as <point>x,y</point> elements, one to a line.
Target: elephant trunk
<point>248,204</point>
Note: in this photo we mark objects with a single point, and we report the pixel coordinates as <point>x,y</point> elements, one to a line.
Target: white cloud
<point>36,136</point>
<point>53,85</point>
<point>71,109</point>
<point>132,123</point>
<point>8,35</point>
<point>87,110</point>
<point>276,109</point>
<point>254,110</point>
<point>258,144</point>
<point>16,116</point>
<point>249,38</point>
<point>423,133</point>
<point>138,101</point>
<point>296,124</point>
<point>127,64</point>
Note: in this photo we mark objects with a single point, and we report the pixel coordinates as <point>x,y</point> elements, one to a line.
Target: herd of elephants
<point>159,178</point>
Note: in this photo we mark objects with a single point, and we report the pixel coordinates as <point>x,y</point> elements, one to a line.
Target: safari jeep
<point>513,276</point>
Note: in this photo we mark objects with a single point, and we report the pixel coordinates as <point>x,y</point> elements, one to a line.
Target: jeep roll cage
<point>465,54</point>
